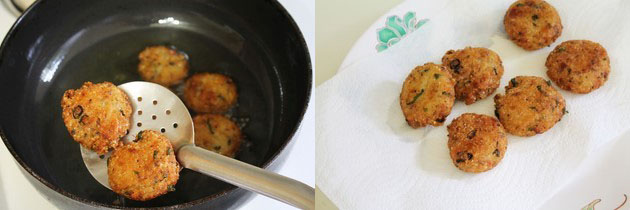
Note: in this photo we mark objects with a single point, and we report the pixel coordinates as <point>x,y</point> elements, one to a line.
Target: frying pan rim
<point>293,131</point>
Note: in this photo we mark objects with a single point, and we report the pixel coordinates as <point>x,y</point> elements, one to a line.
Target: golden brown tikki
<point>144,169</point>
<point>530,106</point>
<point>162,65</point>
<point>477,72</point>
<point>210,93</point>
<point>97,115</point>
<point>532,24</point>
<point>217,133</point>
<point>476,142</point>
<point>427,95</point>
<point>579,66</point>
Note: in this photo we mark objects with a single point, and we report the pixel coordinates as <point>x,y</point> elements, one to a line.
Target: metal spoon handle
<point>246,176</point>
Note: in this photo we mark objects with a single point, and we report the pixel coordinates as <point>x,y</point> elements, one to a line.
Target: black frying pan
<point>58,44</point>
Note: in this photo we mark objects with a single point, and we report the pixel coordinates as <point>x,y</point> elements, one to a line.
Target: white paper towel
<point>368,158</point>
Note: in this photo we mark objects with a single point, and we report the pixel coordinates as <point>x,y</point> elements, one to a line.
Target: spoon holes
<point>168,112</point>
<point>139,99</point>
<point>139,112</point>
<point>154,102</point>
<point>174,125</point>
<point>163,130</point>
<point>139,124</point>
<point>154,117</point>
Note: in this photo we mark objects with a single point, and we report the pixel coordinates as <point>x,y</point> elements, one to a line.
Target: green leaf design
<point>386,34</point>
<point>395,23</point>
<point>392,41</point>
<point>396,29</point>
<point>421,22</point>
<point>381,47</point>
<point>410,20</point>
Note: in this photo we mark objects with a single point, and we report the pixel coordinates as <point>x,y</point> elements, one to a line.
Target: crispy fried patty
<point>144,169</point>
<point>530,106</point>
<point>162,65</point>
<point>476,142</point>
<point>532,24</point>
<point>217,133</point>
<point>427,95</point>
<point>579,66</point>
<point>477,72</point>
<point>97,115</point>
<point>210,93</point>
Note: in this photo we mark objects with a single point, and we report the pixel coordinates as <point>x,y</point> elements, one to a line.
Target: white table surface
<point>17,193</point>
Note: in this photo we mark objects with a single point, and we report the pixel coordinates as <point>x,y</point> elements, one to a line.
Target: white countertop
<point>17,193</point>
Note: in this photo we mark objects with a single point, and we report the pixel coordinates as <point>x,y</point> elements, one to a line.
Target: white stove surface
<point>17,193</point>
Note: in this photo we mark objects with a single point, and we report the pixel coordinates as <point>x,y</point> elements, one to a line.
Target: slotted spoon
<point>157,108</point>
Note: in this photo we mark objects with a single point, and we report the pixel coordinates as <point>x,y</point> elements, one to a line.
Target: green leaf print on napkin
<point>396,28</point>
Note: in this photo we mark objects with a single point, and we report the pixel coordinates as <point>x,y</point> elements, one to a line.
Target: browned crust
<point>427,95</point>
<point>532,24</point>
<point>530,106</point>
<point>579,66</point>
<point>96,115</point>
<point>162,65</point>
<point>217,133</point>
<point>476,142</point>
<point>144,169</point>
<point>477,72</point>
<point>210,93</point>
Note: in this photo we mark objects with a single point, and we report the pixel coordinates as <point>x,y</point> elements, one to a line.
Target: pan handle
<point>246,176</point>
